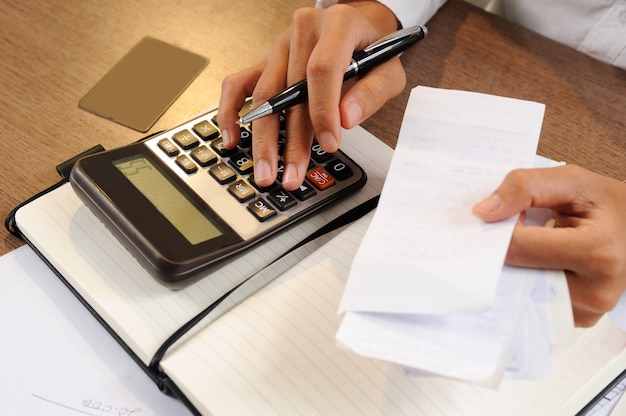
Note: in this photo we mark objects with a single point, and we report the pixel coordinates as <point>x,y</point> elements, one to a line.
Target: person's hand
<point>318,46</point>
<point>589,242</point>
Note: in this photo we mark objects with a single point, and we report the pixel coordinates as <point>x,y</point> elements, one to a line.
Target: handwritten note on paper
<point>425,253</point>
<point>58,360</point>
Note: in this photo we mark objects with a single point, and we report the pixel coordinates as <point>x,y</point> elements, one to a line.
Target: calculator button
<point>280,170</point>
<point>218,146</point>
<point>281,199</point>
<point>203,156</point>
<point>247,107</point>
<point>185,139</point>
<point>222,173</point>
<point>261,210</point>
<point>186,164</point>
<point>339,170</point>
<point>258,187</point>
<point>320,178</point>
<point>206,130</point>
<point>242,191</point>
<point>242,163</point>
<point>281,144</point>
<point>304,192</point>
<point>245,138</point>
<point>318,154</point>
<point>168,147</point>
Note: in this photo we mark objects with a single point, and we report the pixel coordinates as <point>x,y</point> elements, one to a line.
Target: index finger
<point>235,89</point>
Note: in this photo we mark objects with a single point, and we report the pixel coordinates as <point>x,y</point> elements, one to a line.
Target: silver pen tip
<point>263,110</point>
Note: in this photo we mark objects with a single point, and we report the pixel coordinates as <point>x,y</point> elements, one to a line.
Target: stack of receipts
<point>428,288</point>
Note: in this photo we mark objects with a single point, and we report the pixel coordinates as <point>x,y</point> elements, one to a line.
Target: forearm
<point>379,15</point>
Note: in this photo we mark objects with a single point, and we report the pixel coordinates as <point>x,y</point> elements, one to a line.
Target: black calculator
<point>181,202</point>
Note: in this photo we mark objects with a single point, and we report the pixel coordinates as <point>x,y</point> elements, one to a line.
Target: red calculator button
<point>320,178</point>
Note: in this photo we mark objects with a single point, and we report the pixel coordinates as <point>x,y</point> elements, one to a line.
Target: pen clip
<point>396,37</point>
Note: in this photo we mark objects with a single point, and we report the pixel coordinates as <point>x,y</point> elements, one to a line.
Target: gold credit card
<point>143,84</point>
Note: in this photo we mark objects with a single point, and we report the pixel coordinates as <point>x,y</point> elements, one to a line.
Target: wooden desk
<point>54,52</point>
<point>467,49</point>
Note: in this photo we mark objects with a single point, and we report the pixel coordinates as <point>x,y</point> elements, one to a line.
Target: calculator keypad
<point>198,149</point>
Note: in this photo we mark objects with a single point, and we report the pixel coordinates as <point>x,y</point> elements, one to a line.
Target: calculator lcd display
<point>167,199</point>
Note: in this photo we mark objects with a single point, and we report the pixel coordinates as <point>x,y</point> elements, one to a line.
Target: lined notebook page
<point>275,354</point>
<point>140,310</point>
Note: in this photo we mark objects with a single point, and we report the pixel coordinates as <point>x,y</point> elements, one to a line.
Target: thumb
<point>525,188</point>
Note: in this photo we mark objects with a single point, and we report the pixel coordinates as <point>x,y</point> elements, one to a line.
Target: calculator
<point>180,202</point>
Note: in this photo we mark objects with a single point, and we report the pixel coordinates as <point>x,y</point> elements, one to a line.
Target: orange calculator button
<point>320,178</point>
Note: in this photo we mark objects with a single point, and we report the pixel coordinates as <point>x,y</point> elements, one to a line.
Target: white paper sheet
<point>57,360</point>
<point>532,356</point>
<point>472,347</point>
<point>618,314</point>
<point>425,252</point>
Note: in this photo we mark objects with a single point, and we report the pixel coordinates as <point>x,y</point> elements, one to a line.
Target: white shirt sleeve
<point>597,28</point>
<point>409,13</point>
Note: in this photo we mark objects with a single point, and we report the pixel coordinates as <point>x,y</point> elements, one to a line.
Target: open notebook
<point>269,348</point>
<point>275,354</point>
<point>140,312</point>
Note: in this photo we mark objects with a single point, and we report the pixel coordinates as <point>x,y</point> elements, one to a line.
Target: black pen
<point>373,55</point>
